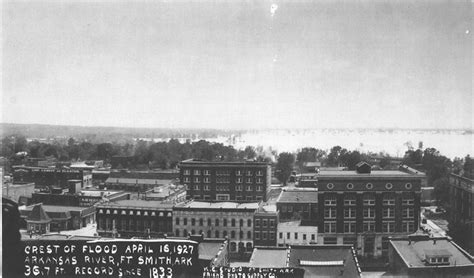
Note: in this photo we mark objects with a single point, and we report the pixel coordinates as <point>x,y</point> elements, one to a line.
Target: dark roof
<point>195,162</point>
<point>298,196</point>
<point>38,214</point>
<point>136,204</point>
<point>413,252</point>
<point>325,260</point>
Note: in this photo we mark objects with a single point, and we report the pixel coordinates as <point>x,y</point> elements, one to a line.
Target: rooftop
<point>113,180</point>
<point>218,205</point>
<point>375,173</point>
<point>222,163</point>
<point>268,257</point>
<point>298,195</point>
<point>50,208</point>
<point>137,204</point>
<point>413,252</point>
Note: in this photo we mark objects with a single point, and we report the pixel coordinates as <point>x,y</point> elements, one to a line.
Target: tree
<point>284,167</point>
<point>384,162</point>
<point>441,191</point>
<point>309,155</point>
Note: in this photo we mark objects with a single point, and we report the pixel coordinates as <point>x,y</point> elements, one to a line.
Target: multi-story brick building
<point>365,207</point>
<point>225,181</point>
<point>461,210</point>
<point>265,225</point>
<point>298,204</point>
<point>53,177</point>
<point>217,220</point>
<point>293,233</point>
<point>134,218</point>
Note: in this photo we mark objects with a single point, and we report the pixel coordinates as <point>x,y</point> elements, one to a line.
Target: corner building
<point>365,207</point>
<point>225,181</point>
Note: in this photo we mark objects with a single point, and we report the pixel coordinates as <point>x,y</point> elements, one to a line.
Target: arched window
<point>249,223</point>
<point>241,235</point>
<point>232,234</point>
<point>201,222</point>
<point>232,222</point>
<point>241,222</point>
<point>185,233</point>
<point>177,232</point>
<point>217,222</point>
<point>209,222</point>
<point>193,232</point>
<point>249,247</point>
<point>225,222</point>
<point>249,235</point>
<point>209,233</point>
<point>233,247</point>
<point>200,232</point>
<point>224,234</point>
<point>217,234</point>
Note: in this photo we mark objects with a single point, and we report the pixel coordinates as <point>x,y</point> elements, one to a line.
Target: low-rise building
<point>419,255</point>
<point>316,260</point>
<point>139,181</point>
<point>51,177</point>
<point>217,220</point>
<point>170,193</point>
<point>14,191</point>
<point>298,204</point>
<point>293,233</point>
<point>265,225</point>
<point>134,218</point>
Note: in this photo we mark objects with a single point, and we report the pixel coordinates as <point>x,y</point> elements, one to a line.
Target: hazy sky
<point>236,65</point>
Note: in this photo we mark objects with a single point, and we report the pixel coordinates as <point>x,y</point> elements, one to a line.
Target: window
<point>249,223</point>
<point>257,223</point>
<point>349,227</point>
<point>388,201</point>
<point>389,186</point>
<point>408,202</point>
<point>350,186</point>
<point>207,173</point>
<point>217,222</point>
<point>259,180</point>
<point>257,235</point>
<point>287,235</point>
<point>225,222</point>
<point>330,213</point>
<point>201,222</point>
<point>249,198</point>
<point>248,180</point>
<point>241,223</point>
<point>176,233</point>
<point>196,179</point>
<point>239,180</point>
<point>272,236</point>
<point>296,235</point>
<point>248,188</point>
<point>186,179</point>
<point>280,235</point>
<point>185,221</point>
<point>369,213</point>
<point>408,186</point>
<point>304,236</point>
<point>349,213</point>
<point>177,220</point>
<point>369,226</point>
<point>196,187</point>
<point>408,227</point>
<point>271,223</point>
<point>388,212</point>
<point>264,235</point>
<point>290,208</point>
<point>283,208</point>
<point>259,173</point>
<point>264,223</point>
<point>185,233</point>
<point>232,222</point>
<point>222,173</point>
<point>349,202</point>
<point>330,186</point>
<point>313,237</point>
<point>187,172</point>
<point>388,227</point>
<point>330,240</point>
<point>249,235</point>
<point>259,188</point>
<point>349,240</point>
<point>249,173</point>
<point>238,173</point>
<point>217,234</point>
<point>241,235</point>
<point>193,222</point>
<point>232,234</point>
<point>207,180</point>
<point>330,201</point>
<point>209,233</point>
<point>329,227</point>
<point>407,213</point>
<point>224,234</point>
<point>369,201</point>
<point>369,186</point>
<point>238,188</point>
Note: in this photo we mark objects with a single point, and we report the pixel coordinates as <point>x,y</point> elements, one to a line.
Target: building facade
<point>265,225</point>
<point>365,207</point>
<point>217,220</point>
<point>225,181</point>
<point>461,210</point>
<point>52,177</point>
<point>298,204</point>
<point>293,233</point>
<point>134,218</point>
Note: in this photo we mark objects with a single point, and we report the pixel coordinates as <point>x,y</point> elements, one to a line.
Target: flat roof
<point>137,204</point>
<point>51,208</point>
<point>413,252</point>
<point>381,173</point>
<point>223,163</point>
<point>268,257</point>
<point>218,205</point>
<point>298,196</point>
<point>112,180</point>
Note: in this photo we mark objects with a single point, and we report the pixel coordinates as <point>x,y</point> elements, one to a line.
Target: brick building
<point>293,233</point>
<point>217,220</point>
<point>265,225</point>
<point>134,218</point>
<point>365,207</point>
<point>298,204</point>
<point>225,181</point>
<point>461,210</point>
<point>52,177</point>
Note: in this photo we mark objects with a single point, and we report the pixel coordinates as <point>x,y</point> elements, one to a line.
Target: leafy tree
<point>309,155</point>
<point>384,162</point>
<point>441,191</point>
<point>284,166</point>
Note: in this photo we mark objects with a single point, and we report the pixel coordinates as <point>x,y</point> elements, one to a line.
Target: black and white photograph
<point>237,138</point>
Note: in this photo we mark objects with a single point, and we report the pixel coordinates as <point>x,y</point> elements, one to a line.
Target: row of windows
<point>227,188</point>
<point>264,235</point>
<point>134,212</point>
<point>296,236</point>
<point>370,186</point>
<point>226,197</point>
<point>209,222</point>
<point>367,201</point>
<point>389,212</point>
<point>265,223</point>
<point>216,234</point>
<point>369,226</point>
<point>223,180</point>
<point>132,225</point>
<point>196,172</point>
<point>297,208</point>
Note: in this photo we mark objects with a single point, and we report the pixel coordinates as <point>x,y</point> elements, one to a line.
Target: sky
<point>238,64</point>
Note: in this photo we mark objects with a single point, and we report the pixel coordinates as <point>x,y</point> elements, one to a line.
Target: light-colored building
<point>293,233</point>
<point>217,220</point>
